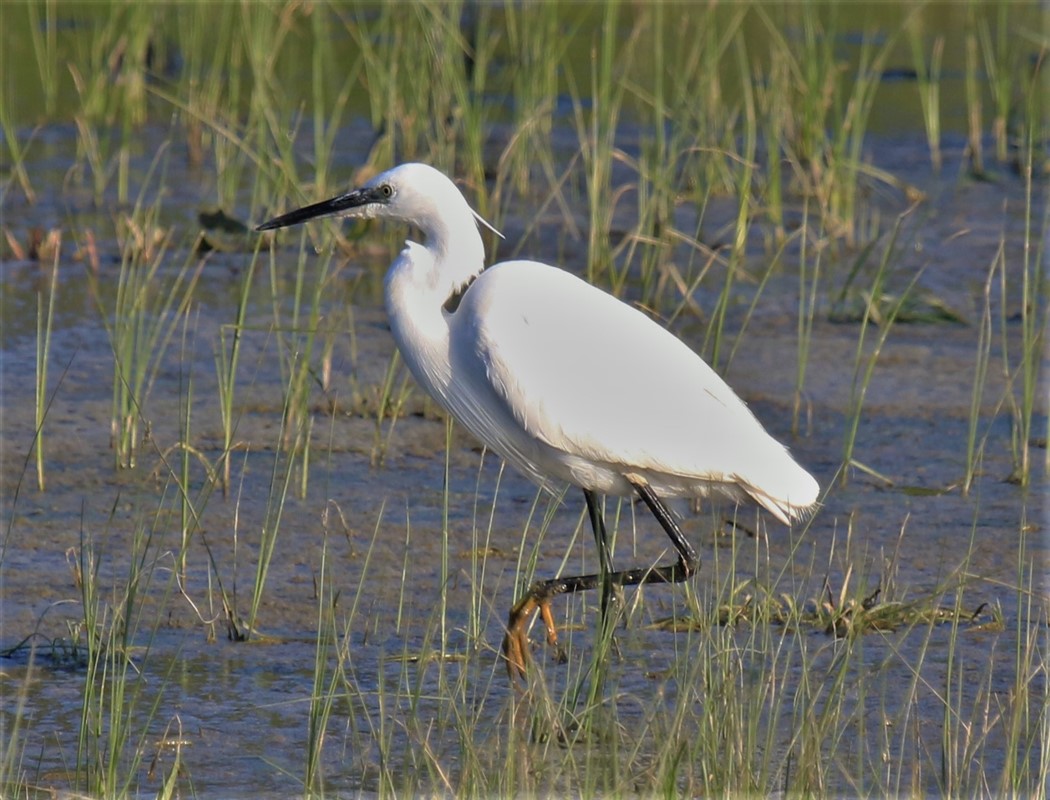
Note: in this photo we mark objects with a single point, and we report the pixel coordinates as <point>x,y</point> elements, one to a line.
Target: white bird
<point>564,381</point>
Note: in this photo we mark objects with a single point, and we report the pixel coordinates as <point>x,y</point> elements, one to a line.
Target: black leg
<point>601,539</point>
<point>541,592</point>
<point>688,560</point>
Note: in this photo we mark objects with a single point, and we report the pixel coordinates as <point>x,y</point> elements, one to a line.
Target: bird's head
<point>414,193</point>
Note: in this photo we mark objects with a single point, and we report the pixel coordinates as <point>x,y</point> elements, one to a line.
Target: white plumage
<point>566,382</point>
<point>562,379</point>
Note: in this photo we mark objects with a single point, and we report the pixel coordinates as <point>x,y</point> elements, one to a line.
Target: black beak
<point>344,202</point>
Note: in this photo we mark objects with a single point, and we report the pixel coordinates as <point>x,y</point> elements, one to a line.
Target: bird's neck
<point>457,256</point>
<point>420,284</point>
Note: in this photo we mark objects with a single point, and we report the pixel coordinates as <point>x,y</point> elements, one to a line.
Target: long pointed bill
<point>336,205</point>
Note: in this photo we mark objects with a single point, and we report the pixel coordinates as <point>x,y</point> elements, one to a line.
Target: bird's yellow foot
<point>516,640</point>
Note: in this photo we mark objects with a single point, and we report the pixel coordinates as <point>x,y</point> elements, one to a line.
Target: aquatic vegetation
<point>826,200</point>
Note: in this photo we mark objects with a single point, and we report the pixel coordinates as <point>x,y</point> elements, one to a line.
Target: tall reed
<point>596,131</point>
<point>45,317</point>
<point>809,275</point>
<point>541,38</point>
<point>974,96</point>
<point>43,33</point>
<point>928,82</point>
<point>864,366</point>
<point>118,701</point>
<point>984,346</point>
<point>17,154</point>
<point>1035,315</point>
<point>227,359</point>
<point>144,316</point>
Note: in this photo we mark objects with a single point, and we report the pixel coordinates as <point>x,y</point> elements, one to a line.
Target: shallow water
<point>371,532</point>
<point>240,711</point>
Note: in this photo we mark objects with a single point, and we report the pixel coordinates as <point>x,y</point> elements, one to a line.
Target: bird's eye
<point>386,190</point>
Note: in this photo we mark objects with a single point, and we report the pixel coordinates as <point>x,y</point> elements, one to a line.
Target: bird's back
<point>598,390</point>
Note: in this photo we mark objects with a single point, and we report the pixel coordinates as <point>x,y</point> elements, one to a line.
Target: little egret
<point>565,382</point>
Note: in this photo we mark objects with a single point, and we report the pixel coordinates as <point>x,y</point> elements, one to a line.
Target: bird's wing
<point>588,375</point>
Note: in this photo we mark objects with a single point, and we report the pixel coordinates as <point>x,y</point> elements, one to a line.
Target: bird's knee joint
<point>636,480</point>
<point>689,567</point>
<point>541,591</point>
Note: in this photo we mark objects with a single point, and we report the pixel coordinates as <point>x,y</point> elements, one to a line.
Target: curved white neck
<point>417,287</point>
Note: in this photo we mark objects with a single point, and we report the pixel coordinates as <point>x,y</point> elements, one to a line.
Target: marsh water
<point>415,536</point>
